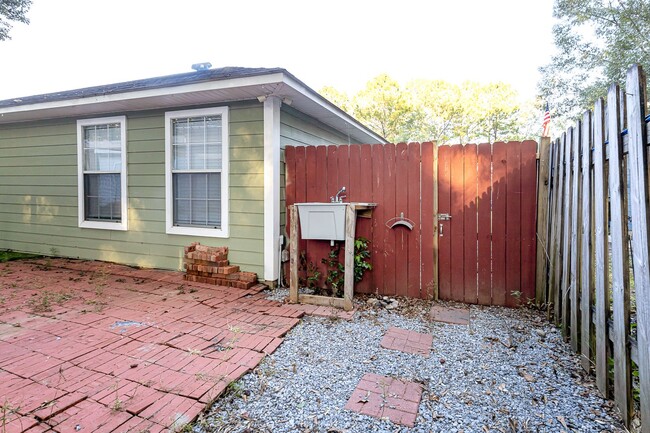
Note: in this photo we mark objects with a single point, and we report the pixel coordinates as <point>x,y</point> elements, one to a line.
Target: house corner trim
<point>272,106</point>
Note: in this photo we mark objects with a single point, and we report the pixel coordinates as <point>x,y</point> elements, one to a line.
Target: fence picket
<point>585,259</point>
<point>558,224</point>
<point>528,215</point>
<point>638,163</point>
<point>544,205</point>
<point>470,186</point>
<point>499,187</point>
<point>575,236</point>
<point>600,245</point>
<point>513,226</point>
<point>620,261</point>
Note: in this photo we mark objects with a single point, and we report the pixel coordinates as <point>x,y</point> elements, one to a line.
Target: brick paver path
<point>91,346</point>
<point>386,397</point>
<point>407,341</point>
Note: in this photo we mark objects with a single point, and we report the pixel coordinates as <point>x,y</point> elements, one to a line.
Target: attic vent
<point>202,66</point>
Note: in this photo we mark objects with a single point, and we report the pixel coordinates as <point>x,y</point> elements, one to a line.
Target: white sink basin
<point>324,221</point>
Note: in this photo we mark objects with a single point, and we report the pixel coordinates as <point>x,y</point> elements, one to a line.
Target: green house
<point>132,172</point>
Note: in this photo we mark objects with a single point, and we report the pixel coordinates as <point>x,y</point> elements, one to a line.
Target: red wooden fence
<point>487,248</point>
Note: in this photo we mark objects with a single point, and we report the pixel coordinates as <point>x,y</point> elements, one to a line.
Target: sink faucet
<point>338,198</point>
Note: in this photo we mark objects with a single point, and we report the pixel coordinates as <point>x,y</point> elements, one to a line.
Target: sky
<point>341,43</point>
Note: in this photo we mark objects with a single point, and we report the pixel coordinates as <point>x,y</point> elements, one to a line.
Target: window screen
<point>196,171</point>
<point>102,167</point>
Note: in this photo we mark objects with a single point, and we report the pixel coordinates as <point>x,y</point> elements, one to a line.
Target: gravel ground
<point>509,371</point>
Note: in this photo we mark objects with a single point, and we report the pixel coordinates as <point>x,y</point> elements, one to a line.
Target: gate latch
<point>444,217</point>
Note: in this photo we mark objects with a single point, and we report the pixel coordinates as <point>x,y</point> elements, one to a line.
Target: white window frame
<point>104,225</point>
<point>222,232</point>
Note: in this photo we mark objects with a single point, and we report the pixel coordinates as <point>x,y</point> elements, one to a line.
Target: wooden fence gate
<point>480,250</point>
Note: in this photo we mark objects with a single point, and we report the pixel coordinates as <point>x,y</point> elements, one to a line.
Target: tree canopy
<point>12,11</point>
<point>596,42</point>
<point>437,110</point>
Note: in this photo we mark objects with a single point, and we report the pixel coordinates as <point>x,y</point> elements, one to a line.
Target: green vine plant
<point>336,270</point>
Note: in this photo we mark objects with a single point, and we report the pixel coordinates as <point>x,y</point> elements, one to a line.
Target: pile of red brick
<point>210,265</point>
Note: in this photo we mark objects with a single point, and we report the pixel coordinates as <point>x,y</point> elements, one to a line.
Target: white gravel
<point>509,371</point>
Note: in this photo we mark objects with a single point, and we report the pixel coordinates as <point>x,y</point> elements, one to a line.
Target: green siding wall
<point>38,193</point>
<point>298,129</point>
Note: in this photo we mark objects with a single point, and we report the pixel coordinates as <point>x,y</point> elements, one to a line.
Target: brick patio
<point>91,346</point>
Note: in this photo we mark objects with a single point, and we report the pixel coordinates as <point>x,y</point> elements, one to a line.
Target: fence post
<point>638,163</point>
<point>620,260</point>
<point>585,259</point>
<point>543,203</point>
<point>601,248</point>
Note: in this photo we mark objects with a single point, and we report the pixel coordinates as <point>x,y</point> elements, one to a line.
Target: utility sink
<point>325,221</point>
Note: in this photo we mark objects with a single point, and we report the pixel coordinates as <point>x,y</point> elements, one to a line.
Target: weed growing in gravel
<point>234,389</point>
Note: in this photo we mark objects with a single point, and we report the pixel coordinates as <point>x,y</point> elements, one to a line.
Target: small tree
<point>12,11</point>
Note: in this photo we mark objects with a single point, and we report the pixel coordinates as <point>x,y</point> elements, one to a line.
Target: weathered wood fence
<point>598,215</point>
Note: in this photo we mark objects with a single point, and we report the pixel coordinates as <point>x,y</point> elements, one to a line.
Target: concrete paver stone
<point>450,315</point>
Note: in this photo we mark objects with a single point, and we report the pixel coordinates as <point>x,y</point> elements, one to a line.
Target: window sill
<point>121,226</point>
<point>198,231</point>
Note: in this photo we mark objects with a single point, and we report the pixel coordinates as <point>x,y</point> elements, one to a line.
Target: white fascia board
<point>272,106</point>
<point>257,80</point>
<point>334,110</point>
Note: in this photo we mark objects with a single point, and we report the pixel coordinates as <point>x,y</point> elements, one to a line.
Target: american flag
<point>546,124</point>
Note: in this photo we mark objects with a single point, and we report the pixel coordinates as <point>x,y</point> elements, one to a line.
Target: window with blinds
<point>197,151</point>
<point>102,178</point>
